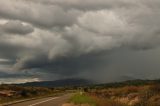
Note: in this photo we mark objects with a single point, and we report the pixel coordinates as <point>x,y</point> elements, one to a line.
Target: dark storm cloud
<point>81,38</point>
<point>16,27</point>
<point>71,65</point>
<point>14,75</point>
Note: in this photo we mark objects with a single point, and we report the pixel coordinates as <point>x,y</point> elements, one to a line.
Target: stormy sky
<point>100,40</point>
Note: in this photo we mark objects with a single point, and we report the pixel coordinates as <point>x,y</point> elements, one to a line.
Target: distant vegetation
<point>128,93</point>
<point>125,83</point>
<point>14,92</point>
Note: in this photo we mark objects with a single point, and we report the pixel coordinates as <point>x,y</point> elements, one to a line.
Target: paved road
<point>50,101</point>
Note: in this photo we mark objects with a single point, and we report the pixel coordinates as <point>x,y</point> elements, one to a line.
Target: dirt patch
<point>71,104</point>
<point>68,104</point>
<point>128,100</point>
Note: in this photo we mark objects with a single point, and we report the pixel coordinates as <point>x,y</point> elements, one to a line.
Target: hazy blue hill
<point>59,83</point>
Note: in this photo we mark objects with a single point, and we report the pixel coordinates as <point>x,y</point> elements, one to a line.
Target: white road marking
<point>43,101</point>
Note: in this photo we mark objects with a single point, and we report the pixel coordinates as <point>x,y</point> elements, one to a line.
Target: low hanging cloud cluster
<point>67,37</point>
<point>16,27</point>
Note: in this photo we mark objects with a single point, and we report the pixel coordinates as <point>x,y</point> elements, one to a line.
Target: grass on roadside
<point>82,99</point>
<point>107,102</point>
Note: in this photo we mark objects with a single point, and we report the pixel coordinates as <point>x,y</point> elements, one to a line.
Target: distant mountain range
<point>58,83</point>
<point>84,82</point>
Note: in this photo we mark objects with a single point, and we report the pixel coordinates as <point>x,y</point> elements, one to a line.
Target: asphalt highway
<point>49,101</point>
